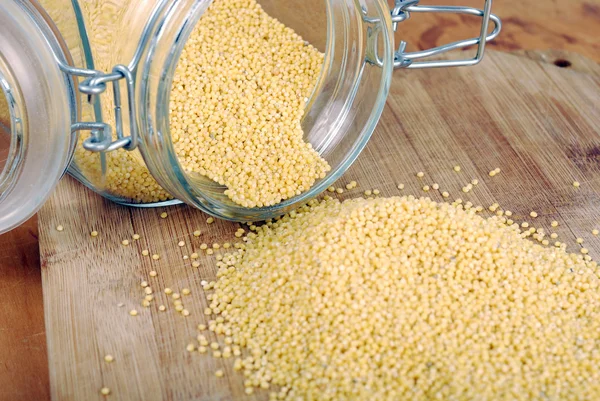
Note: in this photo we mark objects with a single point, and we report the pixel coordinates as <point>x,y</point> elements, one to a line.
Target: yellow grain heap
<point>409,299</point>
<point>238,97</point>
<point>237,100</point>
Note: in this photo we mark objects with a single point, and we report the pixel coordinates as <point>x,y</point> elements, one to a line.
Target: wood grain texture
<point>530,25</point>
<point>23,357</point>
<point>535,121</point>
<point>563,59</point>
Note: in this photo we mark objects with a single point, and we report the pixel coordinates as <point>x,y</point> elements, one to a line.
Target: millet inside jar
<point>238,98</point>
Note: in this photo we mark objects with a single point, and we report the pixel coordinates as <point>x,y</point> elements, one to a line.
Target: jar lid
<point>37,108</point>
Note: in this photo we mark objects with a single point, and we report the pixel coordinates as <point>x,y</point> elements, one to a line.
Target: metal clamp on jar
<point>84,89</point>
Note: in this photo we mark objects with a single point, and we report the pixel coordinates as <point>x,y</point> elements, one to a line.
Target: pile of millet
<point>239,93</point>
<point>403,298</point>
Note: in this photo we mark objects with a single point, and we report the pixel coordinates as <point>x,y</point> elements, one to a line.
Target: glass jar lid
<point>37,108</point>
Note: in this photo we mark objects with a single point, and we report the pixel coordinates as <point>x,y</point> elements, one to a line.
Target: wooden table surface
<point>532,25</point>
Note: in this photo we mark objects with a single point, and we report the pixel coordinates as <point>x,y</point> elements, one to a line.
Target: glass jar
<point>86,88</point>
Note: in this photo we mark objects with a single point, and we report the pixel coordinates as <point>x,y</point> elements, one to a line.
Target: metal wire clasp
<point>100,139</point>
<point>94,84</point>
<point>403,59</point>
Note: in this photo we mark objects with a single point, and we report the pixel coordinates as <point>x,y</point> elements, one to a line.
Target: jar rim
<point>155,77</point>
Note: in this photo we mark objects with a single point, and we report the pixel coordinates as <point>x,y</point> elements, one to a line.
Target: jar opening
<point>340,113</point>
<point>237,106</point>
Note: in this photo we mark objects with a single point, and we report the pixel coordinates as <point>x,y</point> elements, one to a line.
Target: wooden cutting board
<point>537,122</point>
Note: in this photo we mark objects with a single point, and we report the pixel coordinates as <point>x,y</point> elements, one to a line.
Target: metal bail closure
<point>403,59</point>
<point>94,84</point>
<point>100,139</point>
